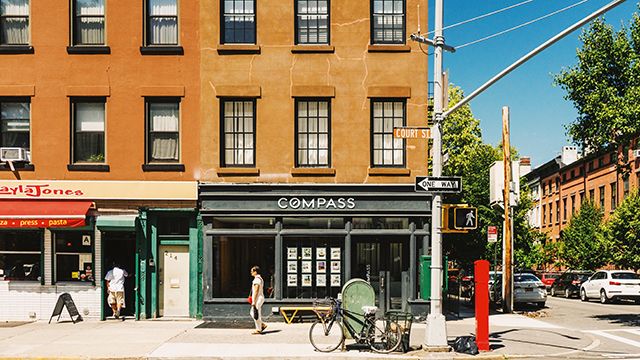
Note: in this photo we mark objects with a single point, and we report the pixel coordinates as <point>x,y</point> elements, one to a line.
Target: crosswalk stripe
<point>618,338</point>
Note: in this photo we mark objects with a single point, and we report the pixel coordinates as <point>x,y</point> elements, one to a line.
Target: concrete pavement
<point>513,336</point>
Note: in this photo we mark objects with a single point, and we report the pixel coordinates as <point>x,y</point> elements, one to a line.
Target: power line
<point>521,25</point>
<point>482,16</point>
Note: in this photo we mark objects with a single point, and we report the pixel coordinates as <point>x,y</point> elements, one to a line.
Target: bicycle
<point>327,333</point>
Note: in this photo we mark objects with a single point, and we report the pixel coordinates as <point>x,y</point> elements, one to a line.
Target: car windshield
<point>582,277</point>
<point>525,277</point>
<point>625,276</point>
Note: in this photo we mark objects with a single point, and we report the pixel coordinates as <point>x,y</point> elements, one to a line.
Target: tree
<point>622,233</point>
<point>582,244</point>
<point>604,87</point>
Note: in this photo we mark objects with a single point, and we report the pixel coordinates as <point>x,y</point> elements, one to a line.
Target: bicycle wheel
<point>326,336</point>
<point>385,336</point>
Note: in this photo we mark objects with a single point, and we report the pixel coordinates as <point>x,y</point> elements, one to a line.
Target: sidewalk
<point>512,335</point>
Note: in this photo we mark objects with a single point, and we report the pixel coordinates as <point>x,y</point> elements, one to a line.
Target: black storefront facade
<point>309,240</point>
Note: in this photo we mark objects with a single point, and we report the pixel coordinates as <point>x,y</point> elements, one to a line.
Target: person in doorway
<point>257,300</point>
<point>115,285</point>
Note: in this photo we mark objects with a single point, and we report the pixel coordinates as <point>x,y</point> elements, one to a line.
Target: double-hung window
<point>88,22</point>
<point>14,123</point>
<point>14,22</point>
<point>313,126</point>
<point>614,196</point>
<point>163,125</point>
<point>387,151</point>
<point>238,132</point>
<point>88,130</point>
<point>239,19</point>
<point>312,22</point>
<point>162,23</point>
<point>387,21</point>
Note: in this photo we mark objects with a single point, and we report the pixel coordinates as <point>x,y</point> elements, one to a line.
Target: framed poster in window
<point>321,253</point>
<point>292,253</point>
<point>292,280</point>
<point>335,280</point>
<point>306,280</point>
<point>321,266</point>
<point>335,266</point>
<point>335,253</point>
<point>292,266</point>
<point>306,253</point>
<point>321,280</point>
<point>306,267</point>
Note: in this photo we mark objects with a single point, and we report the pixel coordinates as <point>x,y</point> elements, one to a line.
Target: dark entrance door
<point>120,247</point>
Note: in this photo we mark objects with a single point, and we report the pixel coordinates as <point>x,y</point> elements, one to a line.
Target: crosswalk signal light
<point>465,218</point>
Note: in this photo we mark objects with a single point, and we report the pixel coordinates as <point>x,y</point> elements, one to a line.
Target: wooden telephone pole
<point>507,275</point>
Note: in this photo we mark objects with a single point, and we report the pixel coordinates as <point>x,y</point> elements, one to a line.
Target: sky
<point>538,110</point>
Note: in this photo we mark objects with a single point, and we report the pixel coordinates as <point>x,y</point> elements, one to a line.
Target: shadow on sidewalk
<point>620,319</point>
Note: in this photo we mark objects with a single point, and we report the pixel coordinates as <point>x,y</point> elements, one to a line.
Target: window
<point>20,255</point>
<point>387,23</point>
<point>565,177</point>
<point>549,192</point>
<point>592,195</point>
<point>162,22</point>
<point>573,205</point>
<point>557,211</point>
<point>613,158</point>
<point>387,150</point>
<point>312,22</point>
<point>558,184</point>
<point>625,154</point>
<point>550,213</point>
<point>14,22</point>
<point>313,133</point>
<point>88,130</point>
<point>600,161</point>
<point>74,256</point>
<point>614,196</point>
<point>88,22</point>
<point>625,187</point>
<point>163,125</point>
<point>581,198</point>
<point>238,128</point>
<point>14,123</point>
<point>564,209</point>
<point>173,227</point>
<point>544,214</point>
<point>239,18</point>
<point>602,197</point>
<point>591,165</point>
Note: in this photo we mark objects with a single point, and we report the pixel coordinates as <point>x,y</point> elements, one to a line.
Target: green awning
<point>120,222</point>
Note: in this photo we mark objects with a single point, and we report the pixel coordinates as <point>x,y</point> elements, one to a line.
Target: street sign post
<point>492,234</point>
<point>412,133</point>
<point>439,184</point>
<point>466,218</point>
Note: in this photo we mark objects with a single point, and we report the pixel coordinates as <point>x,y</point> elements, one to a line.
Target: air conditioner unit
<point>636,153</point>
<point>13,154</point>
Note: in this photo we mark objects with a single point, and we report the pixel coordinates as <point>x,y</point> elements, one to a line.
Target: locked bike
<point>380,334</point>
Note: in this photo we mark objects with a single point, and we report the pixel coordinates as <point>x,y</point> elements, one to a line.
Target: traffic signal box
<point>459,218</point>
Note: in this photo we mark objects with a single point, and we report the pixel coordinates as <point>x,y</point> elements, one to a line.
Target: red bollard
<point>481,279</point>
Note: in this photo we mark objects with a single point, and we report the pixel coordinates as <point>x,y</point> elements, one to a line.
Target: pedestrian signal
<point>465,218</point>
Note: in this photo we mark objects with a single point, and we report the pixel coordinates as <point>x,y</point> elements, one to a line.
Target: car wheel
<point>583,295</point>
<point>567,293</point>
<point>553,291</point>
<point>603,297</point>
<point>541,304</point>
<point>637,301</point>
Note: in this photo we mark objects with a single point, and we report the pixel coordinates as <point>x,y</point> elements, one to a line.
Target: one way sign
<point>442,184</point>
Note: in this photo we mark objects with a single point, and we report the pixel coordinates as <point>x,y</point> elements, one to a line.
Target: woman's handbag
<point>250,299</point>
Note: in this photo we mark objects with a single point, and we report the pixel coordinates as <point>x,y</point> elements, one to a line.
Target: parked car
<point>527,288</point>
<point>493,275</point>
<point>610,285</point>
<point>568,284</point>
<point>548,279</point>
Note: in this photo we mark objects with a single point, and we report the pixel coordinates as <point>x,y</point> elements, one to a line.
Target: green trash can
<point>425,276</point>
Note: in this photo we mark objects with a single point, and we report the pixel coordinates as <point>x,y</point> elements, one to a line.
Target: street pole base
<point>436,335</point>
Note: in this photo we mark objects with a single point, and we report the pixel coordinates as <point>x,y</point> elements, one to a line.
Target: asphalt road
<point>614,328</point>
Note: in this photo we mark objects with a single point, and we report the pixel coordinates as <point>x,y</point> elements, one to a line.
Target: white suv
<point>608,285</point>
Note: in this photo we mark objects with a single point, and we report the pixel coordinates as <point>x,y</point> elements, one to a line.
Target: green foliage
<point>582,244</point>
<point>604,86</point>
<point>622,233</point>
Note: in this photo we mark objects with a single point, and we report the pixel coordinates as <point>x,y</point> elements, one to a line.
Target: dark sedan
<point>568,284</point>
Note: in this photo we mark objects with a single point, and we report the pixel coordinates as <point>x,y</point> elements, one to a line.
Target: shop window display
<point>313,267</point>
<point>20,255</point>
<point>74,256</point>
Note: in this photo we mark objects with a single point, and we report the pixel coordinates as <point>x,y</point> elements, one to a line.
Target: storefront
<point>309,240</point>
<point>63,236</point>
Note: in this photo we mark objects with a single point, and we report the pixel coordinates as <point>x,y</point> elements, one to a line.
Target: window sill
<point>310,49</point>
<point>18,167</point>
<point>163,167</point>
<point>16,49</point>
<point>389,172</point>
<point>389,48</point>
<point>161,50</point>
<point>88,167</point>
<point>313,172</point>
<point>238,171</point>
<point>88,50</point>
<point>232,49</point>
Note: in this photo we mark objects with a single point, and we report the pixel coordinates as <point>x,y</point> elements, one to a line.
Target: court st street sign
<point>441,184</point>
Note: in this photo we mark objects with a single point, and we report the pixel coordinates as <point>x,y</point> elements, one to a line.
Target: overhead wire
<point>521,25</point>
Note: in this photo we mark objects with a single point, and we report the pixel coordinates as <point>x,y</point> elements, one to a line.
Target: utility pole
<point>507,276</point>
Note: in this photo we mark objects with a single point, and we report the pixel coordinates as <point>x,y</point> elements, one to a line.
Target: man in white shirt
<point>115,285</point>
